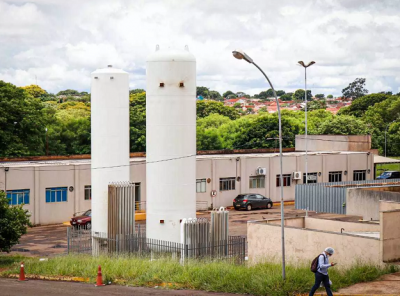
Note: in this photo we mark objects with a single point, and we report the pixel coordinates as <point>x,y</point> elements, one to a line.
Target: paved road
<point>11,287</point>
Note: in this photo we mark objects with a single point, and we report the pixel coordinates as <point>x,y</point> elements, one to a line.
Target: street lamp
<point>240,55</point>
<point>306,101</point>
<point>387,126</point>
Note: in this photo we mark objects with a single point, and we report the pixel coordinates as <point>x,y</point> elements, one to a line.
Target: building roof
<point>381,159</point>
<point>199,157</point>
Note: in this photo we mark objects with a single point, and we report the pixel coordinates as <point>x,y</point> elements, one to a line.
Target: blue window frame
<point>56,194</point>
<point>18,197</point>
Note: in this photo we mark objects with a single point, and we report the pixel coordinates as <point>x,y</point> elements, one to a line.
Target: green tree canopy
<point>228,94</point>
<point>205,108</point>
<point>343,125</point>
<point>356,89</point>
<point>360,105</point>
<point>329,96</point>
<point>202,91</point>
<point>69,92</point>
<point>320,96</point>
<point>137,117</point>
<point>136,91</point>
<point>34,91</point>
<point>14,221</point>
<point>22,123</point>
<point>286,97</point>
<point>300,93</point>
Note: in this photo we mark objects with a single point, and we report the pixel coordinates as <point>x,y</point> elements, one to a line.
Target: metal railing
<point>80,241</point>
<point>331,197</point>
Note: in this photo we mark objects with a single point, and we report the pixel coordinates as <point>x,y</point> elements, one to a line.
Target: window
<point>335,176</point>
<point>57,194</point>
<point>227,184</point>
<point>312,178</point>
<point>88,192</point>
<point>18,197</point>
<point>287,180</point>
<point>257,182</point>
<point>201,185</point>
<point>359,175</point>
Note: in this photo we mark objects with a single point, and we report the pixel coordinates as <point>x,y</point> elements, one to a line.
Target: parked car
<point>84,220</point>
<point>251,201</point>
<point>389,175</point>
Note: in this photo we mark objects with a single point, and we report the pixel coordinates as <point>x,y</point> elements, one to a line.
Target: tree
<point>237,106</point>
<point>214,95</point>
<point>68,92</point>
<point>137,112</point>
<point>356,89</point>
<point>22,124</point>
<point>320,96</point>
<point>286,97</point>
<point>329,96</point>
<point>343,125</point>
<point>280,93</point>
<point>34,90</point>
<point>136,91</point>
<point>14,221</point>
<point>205,108</point>
<point>263,130</point>
<point>360,105</point>
<point>229,94</point>
<point>315,105</point>
<point>299,95</point>
<point>202,91</point>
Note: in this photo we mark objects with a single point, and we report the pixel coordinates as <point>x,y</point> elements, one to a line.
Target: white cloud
<point>61,42</point>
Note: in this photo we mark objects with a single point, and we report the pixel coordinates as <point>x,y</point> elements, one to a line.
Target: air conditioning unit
<point>296,175</point>
<point>261,171</point>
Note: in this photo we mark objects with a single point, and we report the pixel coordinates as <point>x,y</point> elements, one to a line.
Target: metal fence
<point>331,197</point>
<point>80,241</point>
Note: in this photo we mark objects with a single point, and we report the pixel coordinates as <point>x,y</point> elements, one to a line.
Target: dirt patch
<point>388,284</point>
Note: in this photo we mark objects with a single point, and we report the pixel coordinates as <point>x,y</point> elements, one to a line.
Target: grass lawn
<point>260,279</point>
<point>7,261</point>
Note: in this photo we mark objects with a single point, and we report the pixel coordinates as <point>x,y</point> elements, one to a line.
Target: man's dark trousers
<point>319,277</point>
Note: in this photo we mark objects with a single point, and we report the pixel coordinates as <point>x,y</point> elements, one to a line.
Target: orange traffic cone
<point>99,281</point>
<point>22,273</point>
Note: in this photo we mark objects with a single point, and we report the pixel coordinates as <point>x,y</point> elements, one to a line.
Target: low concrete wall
<point>365,202</point>
<point>388,206</point>
<point>303,245</point>
<point>293,222</point>
<point>390,235</point>
<point>333,142</point>
<point>336,226</point>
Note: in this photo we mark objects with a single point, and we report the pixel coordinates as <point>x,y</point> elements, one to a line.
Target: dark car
<point>252,201</point>
<point>389,175</point>
<point>84,220</point>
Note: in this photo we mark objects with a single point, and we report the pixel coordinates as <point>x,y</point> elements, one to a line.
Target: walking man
<point>322,272</point>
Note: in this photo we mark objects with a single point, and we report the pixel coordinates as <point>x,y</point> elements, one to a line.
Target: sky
<point>59,43</point>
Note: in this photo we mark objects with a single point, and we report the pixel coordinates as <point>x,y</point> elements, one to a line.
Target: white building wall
<point>38,178</point>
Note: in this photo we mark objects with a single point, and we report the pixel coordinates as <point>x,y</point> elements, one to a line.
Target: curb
<point>343,294</point>
<point>52,278</point>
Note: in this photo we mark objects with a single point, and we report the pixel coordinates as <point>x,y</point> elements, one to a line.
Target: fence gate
<point>121,212</point>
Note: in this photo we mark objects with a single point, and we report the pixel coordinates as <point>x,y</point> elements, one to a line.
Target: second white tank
<point>170,142</point>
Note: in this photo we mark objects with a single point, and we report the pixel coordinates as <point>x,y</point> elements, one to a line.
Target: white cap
<point>330,250</point>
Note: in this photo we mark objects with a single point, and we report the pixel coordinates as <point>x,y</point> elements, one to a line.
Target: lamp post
<point>240,55</point>
<point>306,101</point>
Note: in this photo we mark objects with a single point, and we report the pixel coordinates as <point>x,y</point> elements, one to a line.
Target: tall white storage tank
<point>170,142</point>
<point>109,137</point>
